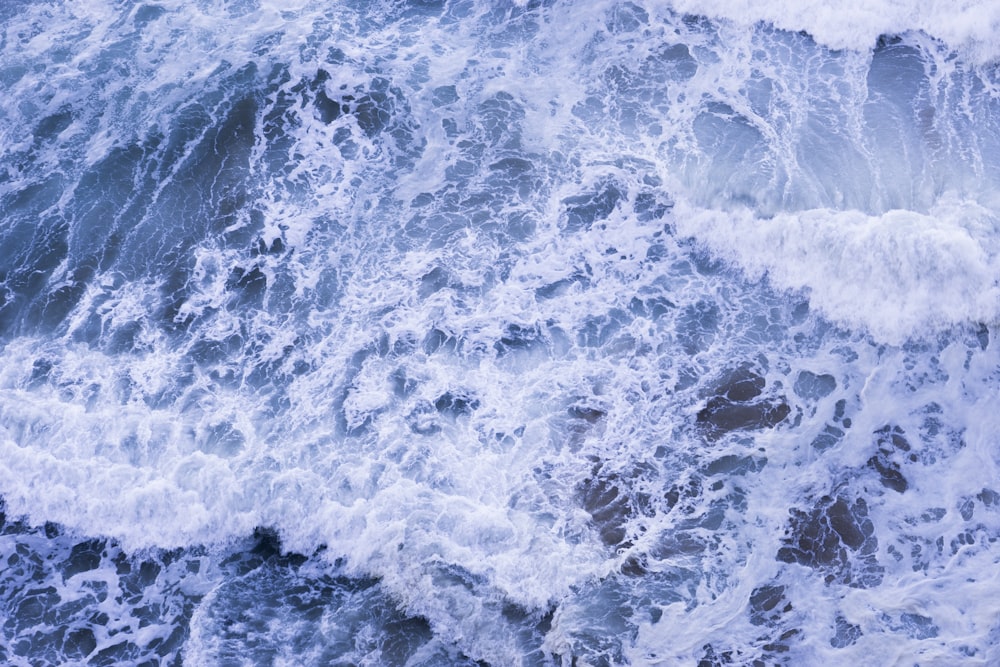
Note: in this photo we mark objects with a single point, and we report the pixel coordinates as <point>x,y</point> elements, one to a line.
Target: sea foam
<point>897,275</point>
<point>971,27</point>
<point>431,293</point>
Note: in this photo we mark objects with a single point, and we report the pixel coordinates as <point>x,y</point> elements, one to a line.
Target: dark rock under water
<point>612,501</point>
<point>891,446</point>
<point>836,537</point>
<point>739,405</point>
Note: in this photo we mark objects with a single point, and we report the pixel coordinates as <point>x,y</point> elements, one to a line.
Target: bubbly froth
<point>441,332</point>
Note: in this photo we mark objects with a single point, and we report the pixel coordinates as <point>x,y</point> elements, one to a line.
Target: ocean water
<point>469,332</point>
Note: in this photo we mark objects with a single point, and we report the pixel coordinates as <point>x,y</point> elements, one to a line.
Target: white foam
<point>863,180</point>
<point>493,496</point>
<point>896,275</point>
<point>970,26</point>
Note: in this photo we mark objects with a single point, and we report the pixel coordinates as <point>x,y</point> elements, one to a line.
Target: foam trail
<point>896,274</point>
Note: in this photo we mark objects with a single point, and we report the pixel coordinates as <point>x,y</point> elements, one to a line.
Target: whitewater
<point>499,333</point>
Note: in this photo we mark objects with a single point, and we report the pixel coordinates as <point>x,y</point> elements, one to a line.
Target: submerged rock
<point>891,445</point>
<point>84,557</point>
<point>835,537</point>
<point>889,473</point>
<point>739,405</point>
<point>813,387</point>
<point>830,436</point>
<point>765,604</point>
<point>742,385</point>
<point>983,336</point>
<point>612,503</point>
<point>722,415</point>
<point>456,403</point>
<point>845,633</point>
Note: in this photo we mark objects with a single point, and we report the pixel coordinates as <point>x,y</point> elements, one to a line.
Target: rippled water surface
<point>458,333</point>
